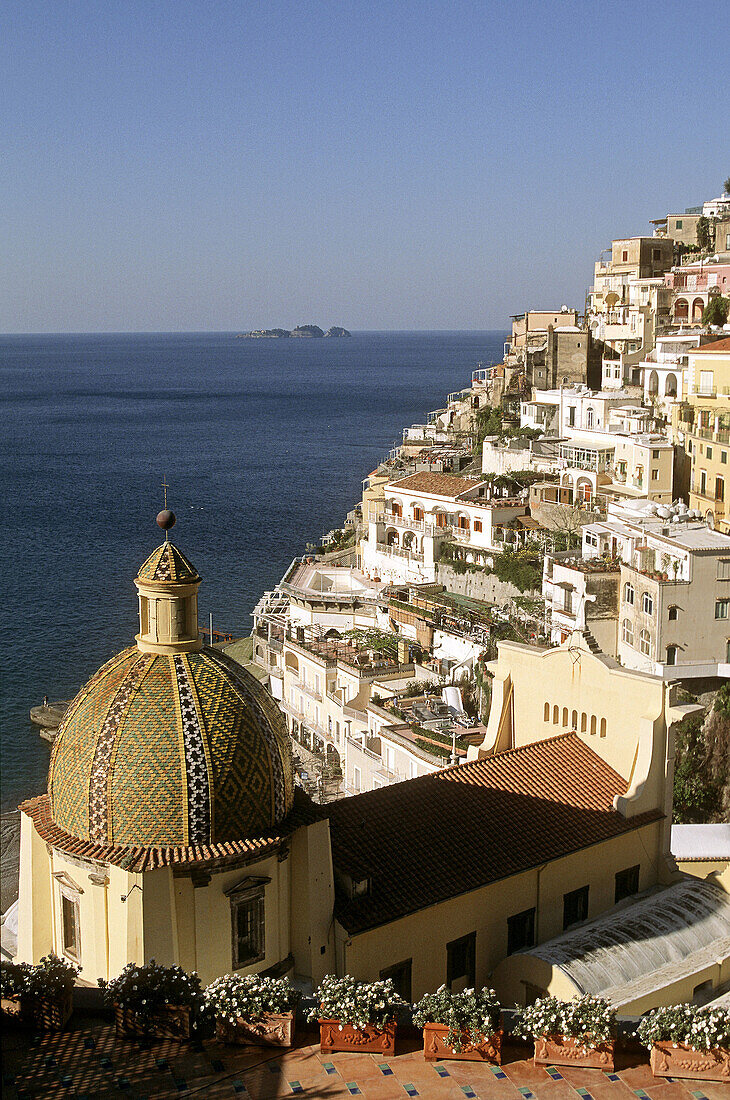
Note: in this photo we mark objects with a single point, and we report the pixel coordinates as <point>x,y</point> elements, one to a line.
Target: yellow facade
<point>704,420</point>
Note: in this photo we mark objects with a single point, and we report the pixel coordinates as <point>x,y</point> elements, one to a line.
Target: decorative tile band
<point>196,765</point>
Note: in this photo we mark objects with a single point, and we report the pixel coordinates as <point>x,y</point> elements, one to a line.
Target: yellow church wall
<point>574,680</point>
<point>159,912</point>
<point>184,892</point>
<point>717,870</point>
<point>423,936</point>
<point>35,930</point>
<point>312,902</point>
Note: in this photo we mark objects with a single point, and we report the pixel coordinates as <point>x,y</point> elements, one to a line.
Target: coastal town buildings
<point>173,829</point>
<point>703,419</point>
<point>629,299</point>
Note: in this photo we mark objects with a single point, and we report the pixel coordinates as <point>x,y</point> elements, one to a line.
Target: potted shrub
<point>40,995</point>
<point>356,1015</point>
<point>153,1001</point>
<point>686,1041</point>
<point>460,1025</point>
<point>252,1009</point>
<point>581,1032</point>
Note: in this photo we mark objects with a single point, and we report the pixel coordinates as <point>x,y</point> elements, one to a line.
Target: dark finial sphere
<point>166,519</point>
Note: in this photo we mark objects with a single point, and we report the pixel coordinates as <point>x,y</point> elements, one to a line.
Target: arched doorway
<point>584,489</point>
<point>391,537</point>
<point>670,386</point>
<point>697,309</point>
<point>653,384</point>
<point>681,309</point>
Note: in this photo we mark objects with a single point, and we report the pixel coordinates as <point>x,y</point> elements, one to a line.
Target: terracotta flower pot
<point>44,1013</point>
<point>564,1050</point>
<point>271,1029</point>
<point>669,1059</point>
<point>369,1040</point>
<point>168,1022</point>
<point>436,1045</point>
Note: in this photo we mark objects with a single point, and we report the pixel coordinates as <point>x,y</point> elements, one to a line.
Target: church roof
<point>170,750</point>
<point>168,563</point>
<point>428,839</point>
<point>147,858</point>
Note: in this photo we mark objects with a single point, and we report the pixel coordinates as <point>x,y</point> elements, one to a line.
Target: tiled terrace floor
<point>88,1061</point>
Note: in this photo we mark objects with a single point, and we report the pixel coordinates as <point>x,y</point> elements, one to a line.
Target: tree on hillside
<point>702,765</point>
<point>716,311</point>
<point>704,237</point>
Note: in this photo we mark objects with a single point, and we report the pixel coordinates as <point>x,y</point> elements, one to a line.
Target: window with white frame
<point>248,923</point>
<point>70,924</point>
<point>645,643</point>
<point>627,632</point>
<point>357,778</point>
<point>647,604</point>
<point>721,609</point>
<point>723,569</point>
<point>629,593</point>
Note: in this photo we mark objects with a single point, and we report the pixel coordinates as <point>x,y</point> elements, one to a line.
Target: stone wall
<point>480,586</point>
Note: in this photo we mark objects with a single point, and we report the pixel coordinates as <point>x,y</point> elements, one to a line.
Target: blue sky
<point>229,165</point>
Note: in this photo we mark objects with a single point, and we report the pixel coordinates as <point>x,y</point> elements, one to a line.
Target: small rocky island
<point>306,331</point>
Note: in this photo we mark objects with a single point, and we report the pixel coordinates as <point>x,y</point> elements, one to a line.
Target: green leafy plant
<point>716,311</point>
<point>356,1003</point>
<point>590,1020</point>
<point>51,978</point>
<point>249,996</point>
<point>472,1012</point>
<point>704,237</point>
<point>700,1028</point>
<point>144,990</point>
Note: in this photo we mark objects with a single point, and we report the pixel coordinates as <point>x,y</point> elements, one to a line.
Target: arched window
<point>670,386</point>
<point>593,724</point>
<point>546,715</point>
<point>673,613</point>
<point>697,309</point>
<point>681,310</point>
<point>556,716</point>
<point>583,722</point>
<point>396,508</point>
<point>574,720</point>
<point>671,654</point>
<point>645,643</point>
<point>418,513</point>
<point>565,716</point>
<point>647,604</point>
<point>603,727</point>
<point>629,593</point>
<point>589,417</point>
<point>627,632</point>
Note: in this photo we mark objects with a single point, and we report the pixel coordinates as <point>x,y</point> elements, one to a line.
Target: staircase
<point>591,642</point>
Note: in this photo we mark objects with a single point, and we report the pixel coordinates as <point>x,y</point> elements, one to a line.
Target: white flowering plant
<point>146,989</point>
<point>590,1020</point>
<point>249,996</point>
<point>51,978</point>
<point>700,1028</point>
<point>356,1003</point>
<point>473,1012</point>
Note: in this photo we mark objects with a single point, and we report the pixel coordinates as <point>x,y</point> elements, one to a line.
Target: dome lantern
<point>168,603</point>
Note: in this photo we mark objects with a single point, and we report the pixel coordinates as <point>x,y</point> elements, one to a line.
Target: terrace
<point>88,1059</point>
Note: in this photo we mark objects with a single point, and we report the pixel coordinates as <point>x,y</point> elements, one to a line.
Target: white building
<point>674,597</point>
<point>421,512</point>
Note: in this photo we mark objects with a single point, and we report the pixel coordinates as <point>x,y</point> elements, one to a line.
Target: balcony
<point>310,691</point>
<point>396,552</point>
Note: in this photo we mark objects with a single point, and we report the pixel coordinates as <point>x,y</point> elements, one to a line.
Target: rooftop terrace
<point>88,1060</point>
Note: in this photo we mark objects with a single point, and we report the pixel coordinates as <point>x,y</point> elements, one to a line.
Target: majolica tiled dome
<point>167,563</point>
<point>170,743</point>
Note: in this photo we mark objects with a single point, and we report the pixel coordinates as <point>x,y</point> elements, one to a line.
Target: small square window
<point>521,931</point>
<point>575,906</point>
<point>627,883</point>
<point>721,609</point>
<point>723,457</point>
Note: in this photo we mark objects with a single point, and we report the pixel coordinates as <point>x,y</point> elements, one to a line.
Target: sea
<point>263,443</point>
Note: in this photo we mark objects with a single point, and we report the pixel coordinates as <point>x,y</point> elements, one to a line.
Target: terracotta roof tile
<point>135,858</point>
<point>717,346</point>
<point>444,485</point>
<point>441,835</point>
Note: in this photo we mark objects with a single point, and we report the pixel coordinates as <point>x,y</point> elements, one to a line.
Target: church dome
<point>170,743</point>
